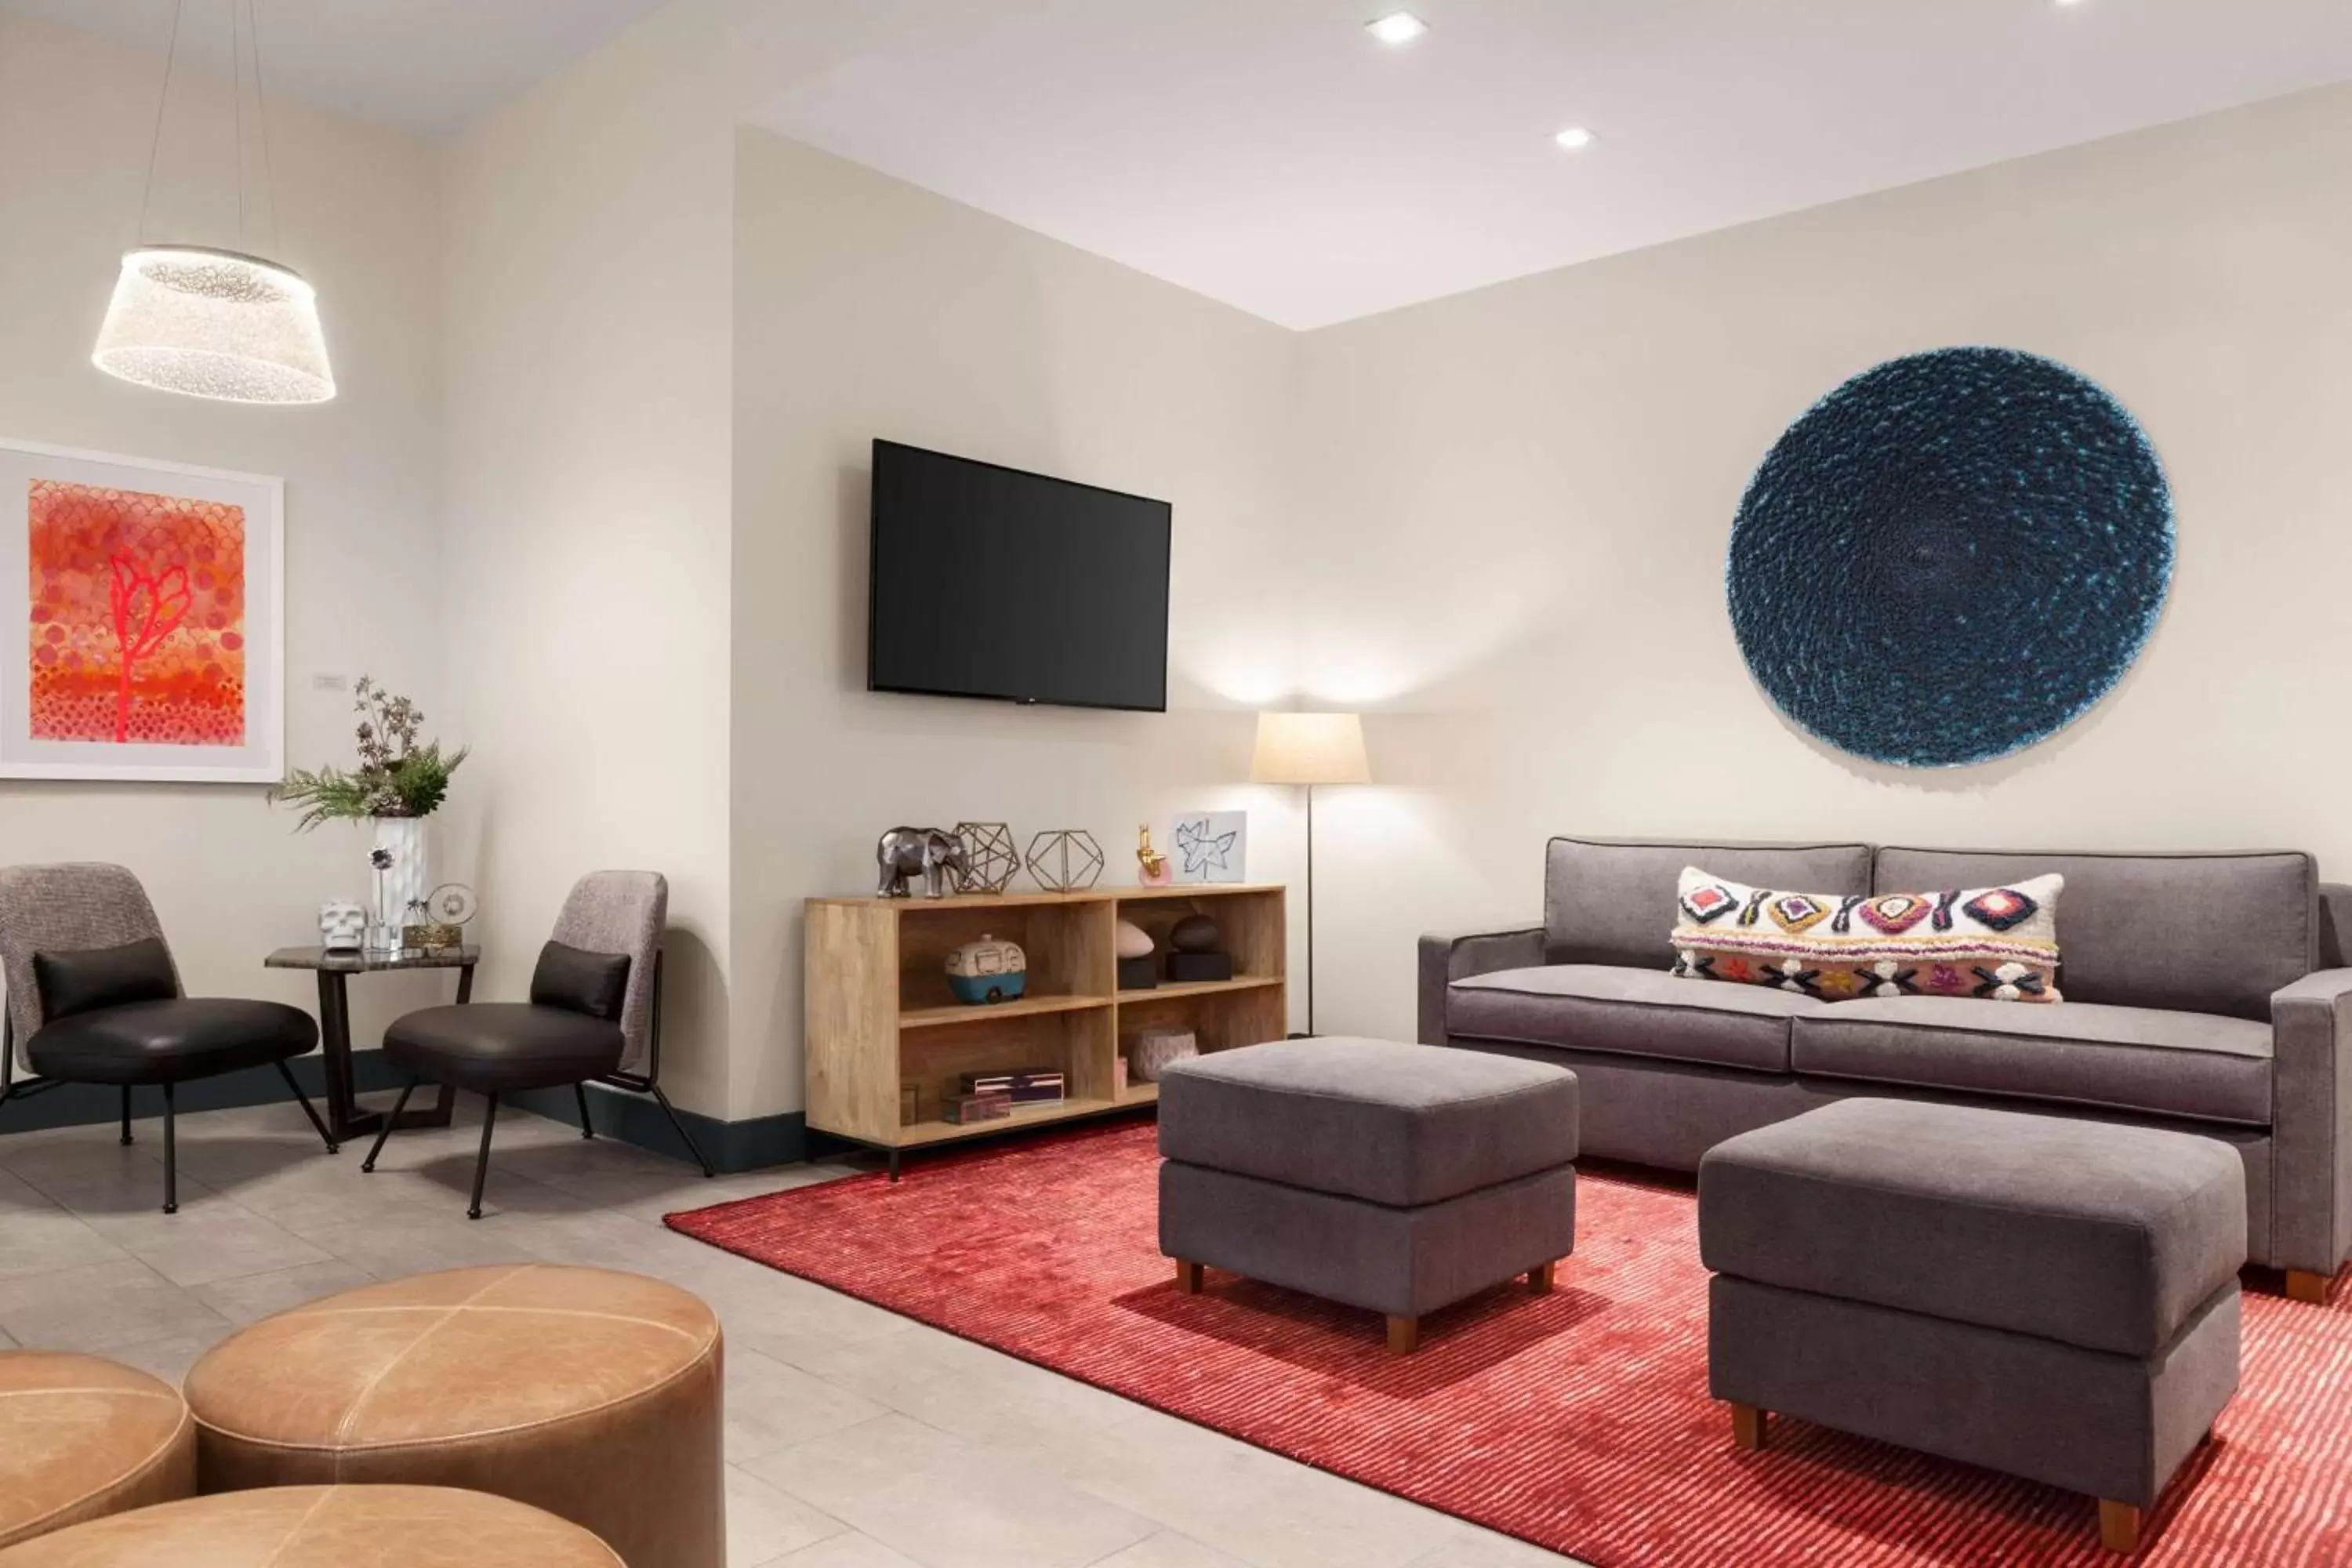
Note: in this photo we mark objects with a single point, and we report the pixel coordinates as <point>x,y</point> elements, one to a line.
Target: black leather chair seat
<point>492,1048</point>
<point>166,1042</point>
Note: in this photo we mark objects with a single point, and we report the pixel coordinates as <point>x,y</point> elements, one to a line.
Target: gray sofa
<point>2204,993</point>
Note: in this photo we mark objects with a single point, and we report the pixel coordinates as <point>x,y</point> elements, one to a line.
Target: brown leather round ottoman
<point>322,1527</point>
<point>80,1438</point>
<point>591,1394</point>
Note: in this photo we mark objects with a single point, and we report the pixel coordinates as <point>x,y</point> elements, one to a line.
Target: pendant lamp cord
<point>156,147</point>
<point>237,93</point>
<point>261,114</point>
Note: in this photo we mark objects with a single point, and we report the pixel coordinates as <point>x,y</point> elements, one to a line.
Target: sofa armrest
<point>2311,1123</point>
<point>1448,957</point>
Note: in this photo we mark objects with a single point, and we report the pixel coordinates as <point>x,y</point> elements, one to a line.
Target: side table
<point>345,1120</point>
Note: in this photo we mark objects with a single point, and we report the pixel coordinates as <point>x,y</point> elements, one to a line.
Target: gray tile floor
<point>855,1438</point>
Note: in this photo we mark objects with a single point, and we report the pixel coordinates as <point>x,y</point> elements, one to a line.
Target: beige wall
<point>359,216</point>
<point>867,307</point>
<point>589,339</point>
<point>1515,504</point>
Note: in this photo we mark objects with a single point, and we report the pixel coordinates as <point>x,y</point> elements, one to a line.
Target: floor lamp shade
<point>1311,749</point>
<point>214,323</point>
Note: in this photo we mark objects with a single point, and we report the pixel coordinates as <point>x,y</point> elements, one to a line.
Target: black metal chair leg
<point>126,1116</point>
<point>308,1110</point>
<point>692,1147</point>
<point>482,1161</point>
<point>587,1128</point>
<point>171,1156</point>
<point>385,1130</point>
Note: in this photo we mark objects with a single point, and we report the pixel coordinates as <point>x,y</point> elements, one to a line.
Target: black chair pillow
<point>90,978</point>
<point>580,982</point>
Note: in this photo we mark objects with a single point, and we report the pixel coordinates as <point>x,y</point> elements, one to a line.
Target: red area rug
<point>1579,1421</point>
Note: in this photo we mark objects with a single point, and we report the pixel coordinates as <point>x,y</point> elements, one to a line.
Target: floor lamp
<point>1311,749</point>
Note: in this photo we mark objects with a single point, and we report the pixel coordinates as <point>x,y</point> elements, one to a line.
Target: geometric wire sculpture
<point>1951,557</point>
<point>1067,860</point>
<point>989,855</point>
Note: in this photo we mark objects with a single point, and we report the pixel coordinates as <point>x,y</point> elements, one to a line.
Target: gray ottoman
<point>1396,1178</point>
<point>2053,1298</point>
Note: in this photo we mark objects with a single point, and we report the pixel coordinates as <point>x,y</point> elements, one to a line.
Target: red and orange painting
<point>137,617</point>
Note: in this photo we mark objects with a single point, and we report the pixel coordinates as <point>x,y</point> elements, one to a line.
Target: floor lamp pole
<point>1310,910</point>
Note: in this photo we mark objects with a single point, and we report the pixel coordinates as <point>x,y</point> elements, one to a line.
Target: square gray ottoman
<point>1397,1178</point>
<point>2052,1299</point>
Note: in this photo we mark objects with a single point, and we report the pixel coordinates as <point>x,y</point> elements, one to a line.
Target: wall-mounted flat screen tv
<point>990,581</point>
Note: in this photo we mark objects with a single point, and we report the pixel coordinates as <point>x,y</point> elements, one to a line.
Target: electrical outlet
<point>331,683</point>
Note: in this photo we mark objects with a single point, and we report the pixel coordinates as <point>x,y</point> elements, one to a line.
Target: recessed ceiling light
<point>1397,27</point>
<point>1576,138</point>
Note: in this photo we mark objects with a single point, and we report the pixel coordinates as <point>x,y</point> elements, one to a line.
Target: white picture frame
<point>186,658</point>
<point>1209,846</point>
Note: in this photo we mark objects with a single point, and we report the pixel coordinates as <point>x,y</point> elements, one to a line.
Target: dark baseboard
<point>80,1104</point>
<point>732,1146</point>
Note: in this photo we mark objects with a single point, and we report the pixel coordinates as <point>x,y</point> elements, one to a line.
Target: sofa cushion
<point>1612,900</point>
<point>1396,1124</point>
<point>2094,1235</point>
<point>1632,1012</point>
<point>2000,943</point>
<point>2203,933</point>
<point>2196,1065</point>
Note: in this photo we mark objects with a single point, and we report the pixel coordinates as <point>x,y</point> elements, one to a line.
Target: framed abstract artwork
<point>148,603</point>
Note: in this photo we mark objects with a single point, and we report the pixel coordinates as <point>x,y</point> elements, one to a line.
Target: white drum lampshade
<point>1311,749</point>
<point>217,324</point>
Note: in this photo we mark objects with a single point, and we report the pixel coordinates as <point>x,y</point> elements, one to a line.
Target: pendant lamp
<point>210,323</point>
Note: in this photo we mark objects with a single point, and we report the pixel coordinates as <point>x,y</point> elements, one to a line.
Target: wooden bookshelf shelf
<point>1198,988</point>
<point>881,1018</point>
<point>963,1012</point>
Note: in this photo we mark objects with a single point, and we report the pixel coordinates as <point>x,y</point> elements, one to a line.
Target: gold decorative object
<point>1151,867</point>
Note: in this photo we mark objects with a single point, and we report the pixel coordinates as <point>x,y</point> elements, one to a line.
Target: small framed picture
<point>1210,847</point>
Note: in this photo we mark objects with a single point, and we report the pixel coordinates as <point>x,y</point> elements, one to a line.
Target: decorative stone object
<point>1951,557</point>
<point>1134,948</point>
<point>989,970</point>
<point>1150,1051</point>
<point>991,859</point>
<point>1194,933</point>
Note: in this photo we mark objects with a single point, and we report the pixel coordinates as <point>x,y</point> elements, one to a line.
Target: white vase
<point>406,881</point>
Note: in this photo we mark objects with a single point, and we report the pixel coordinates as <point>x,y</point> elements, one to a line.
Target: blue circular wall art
<point>1951,557</point>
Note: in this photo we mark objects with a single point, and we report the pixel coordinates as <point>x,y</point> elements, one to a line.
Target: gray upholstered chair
<point>594,1016</point>
<point>94,997</point>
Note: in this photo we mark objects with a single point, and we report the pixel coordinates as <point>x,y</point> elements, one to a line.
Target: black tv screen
<point>990,581</point>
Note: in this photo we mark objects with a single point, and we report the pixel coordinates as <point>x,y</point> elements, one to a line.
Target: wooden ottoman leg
<point>1748,1431</point>
<point>1539,1278</point>
<point>1404,1335</point>
<point>2302,1285</point>
<point>1188,1278</point>
<point>2118,1526</point>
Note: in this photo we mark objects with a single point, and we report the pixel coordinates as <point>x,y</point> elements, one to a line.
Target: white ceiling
<point>1272,155</point>
<point>425,66</point>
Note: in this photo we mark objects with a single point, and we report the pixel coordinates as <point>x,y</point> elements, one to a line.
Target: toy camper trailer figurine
<point>988,971</point>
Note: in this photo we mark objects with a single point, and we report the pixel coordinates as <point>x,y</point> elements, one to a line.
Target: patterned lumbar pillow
<point>1996,942</point>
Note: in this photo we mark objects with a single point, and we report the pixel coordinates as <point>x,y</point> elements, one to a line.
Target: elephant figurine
<point>936,853</point>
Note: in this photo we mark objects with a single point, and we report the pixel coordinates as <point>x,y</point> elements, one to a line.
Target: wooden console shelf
<point>881,1018</point>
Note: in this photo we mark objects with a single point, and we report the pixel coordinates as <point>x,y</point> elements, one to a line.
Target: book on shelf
<point>959,1109</point>
<point>1041,1087</point>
